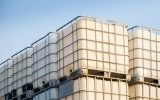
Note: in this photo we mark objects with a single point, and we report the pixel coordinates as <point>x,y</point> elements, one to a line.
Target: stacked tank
<point>22,71</point>
<point>86,43</point>
<point>91,53</point>
<point>5,78</point>
<point>94,88</point>
<point>44,67</point>
<point>86,59</point>
<point>144,60</point>
<point>144,91</point>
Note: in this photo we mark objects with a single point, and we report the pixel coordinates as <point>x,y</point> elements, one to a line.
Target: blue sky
<point>24,21</point>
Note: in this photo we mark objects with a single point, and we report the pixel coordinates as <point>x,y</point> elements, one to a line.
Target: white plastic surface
<point>90,88</point>
<point>105,49</point>
<point>140,91</point>
<point>45,60</point>
<point>144,53</point>
<point>5,77</point>
<point>22,69</point>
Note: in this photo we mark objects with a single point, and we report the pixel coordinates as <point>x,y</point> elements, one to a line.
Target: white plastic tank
<point>44,60</point>
<point>92,43</point>
<point>144,91</point>
<point>22,69</point>
<point>144,52</point>
<point>49,94</point>
<point>94,88</point>
<point>5,77</point>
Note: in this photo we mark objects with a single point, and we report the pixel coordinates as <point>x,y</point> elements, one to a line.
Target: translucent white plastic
<point>44,60</point>
<point>92,45</point>
<point>22,69</point>
<point>5,77</point>
<point>144,92</point>
<point>144,55</point>
<point>91,88</point>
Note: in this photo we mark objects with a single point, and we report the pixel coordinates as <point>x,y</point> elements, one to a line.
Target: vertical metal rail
<point>72,64</point>
<point>63,51</point>
<point>143,53</point>
<point>47,45</point>
<point>77,59</point>
<point>124,52</point>
<point>109,58</point>
<point>102,50</point>
<point>87,88</point>
<point>150,52</point>
<point>157,70</point>
<point>103,89</point>
<point>86,26</point>
<point>149,91</point>
<point>95,42</point>
<point>115,48</point>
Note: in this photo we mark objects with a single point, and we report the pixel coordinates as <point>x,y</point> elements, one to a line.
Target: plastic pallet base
<point>27,87</point>
<point>140,79</point>
<point>14,93</point>
<point>51,83</point>
<point>27,95</point>
<point>100,73</point>
<point>63,79</point>
<point>36,90</point>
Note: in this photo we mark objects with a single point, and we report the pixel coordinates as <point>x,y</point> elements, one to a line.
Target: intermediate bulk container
<point>93,88</point>
<point>144,91</point>
<point>49,94</point>
<point>5,77</point>
<point>144,53</point>
<point>44,60</point>
<point>92,43</point>
<point>22,69</point>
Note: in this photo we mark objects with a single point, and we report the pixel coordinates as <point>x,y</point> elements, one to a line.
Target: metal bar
<point>4,62</point>
<point>133,28</point>
<point>68,23</point>
<point>21,51</point>
<point>143,27</point>
<point>88,17</point>
<point>41,38</point>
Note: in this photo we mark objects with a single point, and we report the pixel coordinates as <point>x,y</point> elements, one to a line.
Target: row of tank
<point>86,59</point>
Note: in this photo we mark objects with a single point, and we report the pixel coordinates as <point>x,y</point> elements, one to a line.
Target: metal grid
<point>76,95</point>
<point>74,44</point>
<point>19,70</point>
<point>5,76</point>
<point>150,51</point>
<point>47,94</point>
<point>47,53</point>
<point>143,91</point>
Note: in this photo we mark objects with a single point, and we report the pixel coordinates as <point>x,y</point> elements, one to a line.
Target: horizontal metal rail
<point>42,38</point>
<point>144,27</point>
<point>89,17</point>
<point>4,62</point>
<point>21,51</point>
